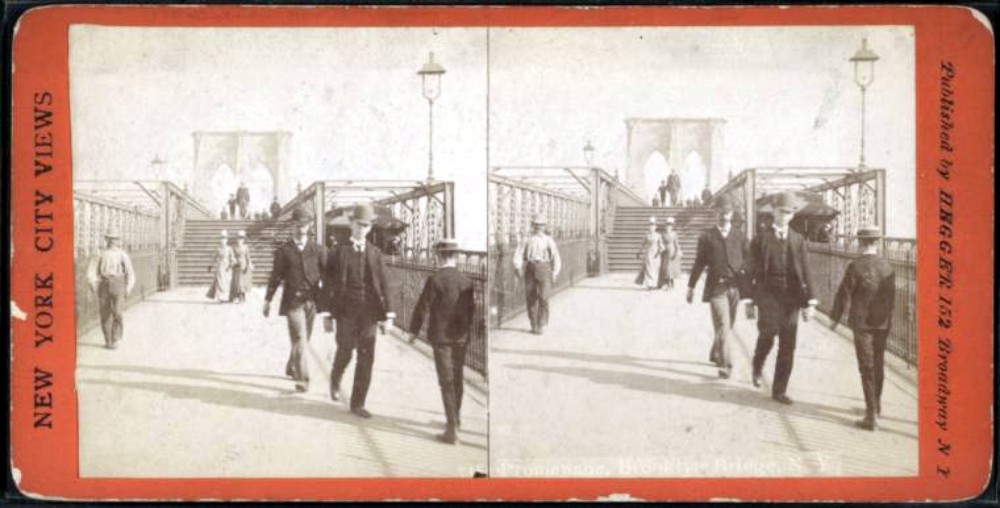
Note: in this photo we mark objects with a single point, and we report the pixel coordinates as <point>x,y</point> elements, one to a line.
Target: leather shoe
<point>866,424</point>
<point>301,387</point>
<point>783,399</point>
<point>334,394</point>
<point>362,412</point>
<point>758,380</point>
<point>724,373</point>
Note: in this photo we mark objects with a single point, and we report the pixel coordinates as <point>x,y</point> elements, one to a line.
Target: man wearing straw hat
<point>869,287</point>
<point>298,267</point>
<point>449,297</point>
<point>357,285</point>
<point>537,261</point>
<point>721,253</point>
<point>782,287</point>
<point>112,277</point>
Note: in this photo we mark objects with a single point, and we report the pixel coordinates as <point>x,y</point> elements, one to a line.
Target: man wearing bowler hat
<point>449,296</point>
<point>298,266</point>
<point>112,277</point>
<point>869,287</point>
<point>721,252</point>
<point>782,287</point>
<point>358,288</point>
<point>537,261</point>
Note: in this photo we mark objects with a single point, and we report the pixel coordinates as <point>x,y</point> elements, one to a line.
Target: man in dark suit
<point>243,200</point>
<point>298,266</point>
<point>869,287</point>
<point>358,287</point>
<point>721,253</point>
<point>662,190</point>
<point>450,297</point>
<point>674,188</point>
<point>275,208</point>
<point>782,286</point>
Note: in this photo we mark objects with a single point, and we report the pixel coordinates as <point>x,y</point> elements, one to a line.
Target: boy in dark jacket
<point>449,297</point>
<point>869,286</point>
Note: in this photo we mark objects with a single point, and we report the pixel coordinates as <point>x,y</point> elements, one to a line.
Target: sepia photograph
<point>280,251</point>
<point>702,248</point>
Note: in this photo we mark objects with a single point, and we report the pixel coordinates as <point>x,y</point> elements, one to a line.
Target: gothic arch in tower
<point>676,138</point>
<point>245,154</point>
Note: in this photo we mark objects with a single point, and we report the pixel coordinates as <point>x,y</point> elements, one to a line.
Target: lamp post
<point>156,163</point>
<point>430,80</point>
<point>864,74</point>
<point>588,154</point>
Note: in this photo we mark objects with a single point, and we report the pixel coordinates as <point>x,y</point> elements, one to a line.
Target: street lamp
<point>430,80</point>
<point>588,154</point>
<point>864,74</point>
<point>156,163</point>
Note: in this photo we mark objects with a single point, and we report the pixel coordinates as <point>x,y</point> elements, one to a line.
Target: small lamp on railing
<point>430,81</point>
<point>588,154</point>
<point>864,74</point>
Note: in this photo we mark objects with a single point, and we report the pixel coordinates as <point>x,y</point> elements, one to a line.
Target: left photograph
<point>280,251</point>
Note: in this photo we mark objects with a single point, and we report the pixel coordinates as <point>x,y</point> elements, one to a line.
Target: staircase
<point>201,237</point>
<point>632,222</point>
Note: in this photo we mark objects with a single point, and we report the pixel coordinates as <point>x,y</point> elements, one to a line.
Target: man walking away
<point>298,266</point>
<point>275,208</point>
<point>721,253</point>
<point>359,298</point>
<point>111,276</point>
<point>537,261</point>
<point>779,269</point>
<point>243,200</point>
<point>450,298</point>
<point>674,188</point>
<point>869,287</point>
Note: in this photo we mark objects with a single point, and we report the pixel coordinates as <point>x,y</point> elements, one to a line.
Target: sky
<point>352,100</point>
<point>787,95</point>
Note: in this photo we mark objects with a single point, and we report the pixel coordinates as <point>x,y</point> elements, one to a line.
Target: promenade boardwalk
<point>198,390</point>
<point>620,385</point>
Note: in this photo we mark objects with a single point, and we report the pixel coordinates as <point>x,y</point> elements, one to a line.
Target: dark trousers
<point>779,315</point>
<point>355,332</point>
<point>537,288</point>
<point>300,326</point>
<point>869,345</point>
<point>723,307</point>
<point>111,297</point>
<point>449,360</point>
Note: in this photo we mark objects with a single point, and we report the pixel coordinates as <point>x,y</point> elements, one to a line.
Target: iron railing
<point>507,298</point>
<point>410,273</point>
<point>828,263</point>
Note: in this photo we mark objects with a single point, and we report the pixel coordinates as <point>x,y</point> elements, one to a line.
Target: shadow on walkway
<point>285,403</point>
<point>709,391</point>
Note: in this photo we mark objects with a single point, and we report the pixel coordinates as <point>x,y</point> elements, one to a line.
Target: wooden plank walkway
<point>198,390</point>
<point>620,385</point>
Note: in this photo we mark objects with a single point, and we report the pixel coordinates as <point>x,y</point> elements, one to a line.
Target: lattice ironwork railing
<point>93,217</point>
<point>828,263</point>
<point>411,271</point>
<point>513,204</point>
<point>427,207</point>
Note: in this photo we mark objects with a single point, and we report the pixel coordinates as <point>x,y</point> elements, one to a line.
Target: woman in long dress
<point>242,269</point>
<point>670,259</point>
<point>652,247</point>
<point>222,266</point>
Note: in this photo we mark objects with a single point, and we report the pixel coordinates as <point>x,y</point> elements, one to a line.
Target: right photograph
<point>702,252</point>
